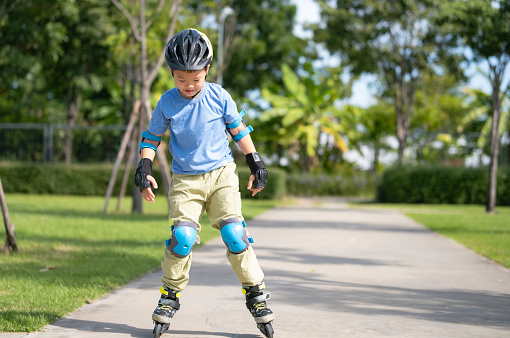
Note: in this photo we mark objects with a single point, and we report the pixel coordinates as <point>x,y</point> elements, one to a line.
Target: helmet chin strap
<point>200,89</point>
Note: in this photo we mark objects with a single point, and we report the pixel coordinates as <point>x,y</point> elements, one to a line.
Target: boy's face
<point>190,83</point>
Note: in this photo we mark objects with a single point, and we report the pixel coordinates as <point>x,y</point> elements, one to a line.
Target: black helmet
<point>188,50</point>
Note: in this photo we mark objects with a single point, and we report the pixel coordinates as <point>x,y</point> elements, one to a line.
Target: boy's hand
<point>147,193</point>
<point>144,179</point>
<point>251,188</point>
<point>259,174</point>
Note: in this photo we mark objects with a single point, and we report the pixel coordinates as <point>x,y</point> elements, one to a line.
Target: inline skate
<point>164,312</point>
<point>256,303</point>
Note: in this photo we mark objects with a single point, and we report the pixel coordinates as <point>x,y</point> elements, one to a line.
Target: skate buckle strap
<point>165,301</point>
<point>164,291</point>
<point>257,299</point>
<point>255,288</point>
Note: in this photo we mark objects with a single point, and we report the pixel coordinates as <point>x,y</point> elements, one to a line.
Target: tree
<point>375,124</point>
<point>53,60</point>
<point>479,117</point>
<point>80,68</point>
<point>28,37</point>
<point>392,39</point>
<point>10,243</point>
<point>440,106</point>
<point>484,26</point>
<point>440,103</point>
<point>304,117</point>
<point>147,70</point>
<point>258,39</point>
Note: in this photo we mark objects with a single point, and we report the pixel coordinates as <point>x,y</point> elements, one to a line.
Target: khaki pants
<point>216,192</point>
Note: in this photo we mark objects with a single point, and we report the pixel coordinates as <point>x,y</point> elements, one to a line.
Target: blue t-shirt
<point>198,135</point>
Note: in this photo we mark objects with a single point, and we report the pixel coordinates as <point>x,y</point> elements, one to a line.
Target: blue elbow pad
<point>150,136</point>
<point>148,145</point>
<point>243,133</point>
<point>237,122</point>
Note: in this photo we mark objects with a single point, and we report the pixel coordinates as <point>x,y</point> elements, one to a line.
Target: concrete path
<point>332,272</point>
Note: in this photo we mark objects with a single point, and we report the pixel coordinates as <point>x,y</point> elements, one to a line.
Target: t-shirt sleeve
<point>231,114</point>
<point>159,123</point>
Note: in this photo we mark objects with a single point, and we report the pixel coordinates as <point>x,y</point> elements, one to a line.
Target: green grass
<point>487,234</point>
<point>71,252</point>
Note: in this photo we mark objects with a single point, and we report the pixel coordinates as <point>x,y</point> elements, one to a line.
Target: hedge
<point>437,185</point>
<point>342,184</point>
<point>275,188</point>
<point>92,179</point>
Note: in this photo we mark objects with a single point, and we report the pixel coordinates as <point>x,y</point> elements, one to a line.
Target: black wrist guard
<point>144,168</point>
<point>258,169</point>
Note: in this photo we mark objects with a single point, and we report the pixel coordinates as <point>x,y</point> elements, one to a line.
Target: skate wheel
<point>159,329</point>
<point>266,329</point>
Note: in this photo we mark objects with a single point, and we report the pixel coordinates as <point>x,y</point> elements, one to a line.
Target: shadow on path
<point>135,332</point>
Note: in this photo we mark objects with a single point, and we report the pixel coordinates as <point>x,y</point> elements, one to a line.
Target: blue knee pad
<point>234,235</point>
<point>184,236</point>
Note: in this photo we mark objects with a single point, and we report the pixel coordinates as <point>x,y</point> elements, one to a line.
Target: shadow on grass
<point>85,261</point>
<point>27,319</point>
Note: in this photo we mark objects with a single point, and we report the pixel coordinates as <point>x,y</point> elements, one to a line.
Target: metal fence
<point>39,142</point>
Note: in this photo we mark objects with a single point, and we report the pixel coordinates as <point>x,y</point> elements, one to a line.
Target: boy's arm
<point>143,175</point>
<point>258,177</point>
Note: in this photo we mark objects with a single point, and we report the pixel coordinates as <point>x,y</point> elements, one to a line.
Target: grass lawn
<point>487,234</point>
<point>71,252</point>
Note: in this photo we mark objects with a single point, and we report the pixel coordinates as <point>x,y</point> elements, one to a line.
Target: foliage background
<point>77,63</point>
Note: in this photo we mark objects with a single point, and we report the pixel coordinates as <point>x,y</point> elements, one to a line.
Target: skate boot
<point>256,303</point>
<point>164,312</point>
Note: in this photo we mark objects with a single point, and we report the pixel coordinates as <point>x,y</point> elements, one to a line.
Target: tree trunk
<point>375,159</point>
<point>73,108</point>
<point>10,243</point>
<point>144,95</point>
<point>403,106</point>
<point>402,131</point>
<point>133,149</point>
<point>123,146</point>
<point>137,203</point>
<point>137,206</point>
<point>402,140</point>
<point>493,168</point>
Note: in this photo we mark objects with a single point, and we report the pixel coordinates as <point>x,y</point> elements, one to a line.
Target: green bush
<point>348,184</point>
<point>61,179</point>
<point>275,188</point>
<point>435,185</point>
<point>92,179</point>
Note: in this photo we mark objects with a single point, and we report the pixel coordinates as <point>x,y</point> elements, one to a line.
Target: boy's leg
<point>185,213</point>
<point>224,210</point>
<point>246,267</point>
<point>175,270</point>
<point>225,203</point>
<point>186,207</point>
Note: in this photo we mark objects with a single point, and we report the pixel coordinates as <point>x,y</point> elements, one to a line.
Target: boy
<point>204,176</point>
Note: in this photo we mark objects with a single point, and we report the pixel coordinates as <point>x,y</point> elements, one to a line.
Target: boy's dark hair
<point>192,70</point>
